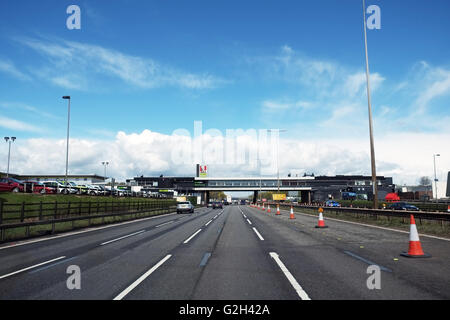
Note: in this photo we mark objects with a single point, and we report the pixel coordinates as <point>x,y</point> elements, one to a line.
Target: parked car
<point>185,206</point>
<point>217,205</point>
<point>60,187</point>
<point>81,189</point>
<point>38,187</point>
<point>403,206</point>
<point>209,205</point>
<point>11,185</point>
<point>332,203</point>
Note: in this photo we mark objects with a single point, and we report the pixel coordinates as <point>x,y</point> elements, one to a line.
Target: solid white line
<point>208,223</point>
<point>249,222</point>
<point>163,224</point>
<point>117,239</point>
<point>141,278</point>
<point>28,268</point>
<point>83,231</point>
<point>377,227</point>
<point>258,234</point>
<point>189,239</point>
<point>301,293</point>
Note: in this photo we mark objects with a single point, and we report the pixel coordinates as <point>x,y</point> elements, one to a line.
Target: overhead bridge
<point>310,188</point>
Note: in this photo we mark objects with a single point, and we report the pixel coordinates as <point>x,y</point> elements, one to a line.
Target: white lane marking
<point>84,231</point>
<point>258,234</point>
<point>141,278</point>
<point>301,293</point>
<point>372,226</point>
<point>189,239</point>
<point>117,239</point>
<point>208,223</point>
<point>249,222</point>
<point>163,224</point>
<point>31,267</point>
<point>215,216</point>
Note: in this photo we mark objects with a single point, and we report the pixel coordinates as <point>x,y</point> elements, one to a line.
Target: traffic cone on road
<point>321,223</point>
<point>278,210</point>
<point>415,248</point>
<point>268,208</point>
<point>448,208</point>
<point>263,209</point>
<point>292,213</point>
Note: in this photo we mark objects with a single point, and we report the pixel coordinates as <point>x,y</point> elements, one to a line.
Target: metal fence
<point>433,216</point>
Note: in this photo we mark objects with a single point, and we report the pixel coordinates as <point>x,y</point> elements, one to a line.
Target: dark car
<point>403,206</point>
<point>217,205</point>
<point>11,185</point>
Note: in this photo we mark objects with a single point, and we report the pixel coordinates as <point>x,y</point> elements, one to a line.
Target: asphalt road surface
<point>235,253</point>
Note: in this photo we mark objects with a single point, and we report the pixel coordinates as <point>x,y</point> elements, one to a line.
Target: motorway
<point>235,253</point>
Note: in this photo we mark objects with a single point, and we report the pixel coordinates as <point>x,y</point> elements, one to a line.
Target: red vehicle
<point>11,185</point>
<point>39,187</point>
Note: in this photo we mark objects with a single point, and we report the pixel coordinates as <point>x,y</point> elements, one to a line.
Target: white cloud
<point>9,68</point>
<point>406,157</point>
<point>17,125</point>
<point>82,64</point>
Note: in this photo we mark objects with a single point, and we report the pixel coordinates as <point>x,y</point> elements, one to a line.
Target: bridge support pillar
<point>255,196</point>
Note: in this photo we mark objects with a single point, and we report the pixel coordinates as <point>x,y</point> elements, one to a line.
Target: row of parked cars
<point>58,187</point>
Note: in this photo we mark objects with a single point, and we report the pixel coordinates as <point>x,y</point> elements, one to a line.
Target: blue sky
<point>160,65</point>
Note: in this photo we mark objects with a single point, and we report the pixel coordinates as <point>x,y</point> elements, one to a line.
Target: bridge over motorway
<point>310,188</point>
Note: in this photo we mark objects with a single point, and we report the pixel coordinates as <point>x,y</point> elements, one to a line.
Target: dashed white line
<point>258,234</point>
<point>208,223</point>
<point>163,224</point>
<point>301,293</point>
<point>189,239</point>
<point>117,239</point>
<point>249,222</point>
<point>141,278</point>
<point>31,267</point>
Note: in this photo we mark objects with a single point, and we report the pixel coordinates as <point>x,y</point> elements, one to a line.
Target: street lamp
<point>9,140</point>
<point>105,164</point>
<point>67,143</point>
<point>435,178</point>
<point>369,103</point>
<point>278,155</point>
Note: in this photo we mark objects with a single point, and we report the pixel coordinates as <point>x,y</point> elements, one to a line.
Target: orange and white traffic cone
<point>321,223</point>
<point>278,210</point>
<point>448,209</point>
<point>263,208</point>
<point>268,208</point>
<point>415,248</point>
<point>292,213</point>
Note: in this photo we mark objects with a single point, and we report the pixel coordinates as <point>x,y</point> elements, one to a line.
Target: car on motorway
<point>332,203</point>
<point>217,205</point>
<point>402,206</point>
<point>209,205</point>
<point>11,185</point>
<point>185,206</point>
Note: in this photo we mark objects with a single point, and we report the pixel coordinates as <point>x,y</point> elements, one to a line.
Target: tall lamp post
<point>278,155</point>
<point>369,103</point>
<point>67,143</point>
<point>9,140</point>
<point>105,164</point>
<point>435,178</point>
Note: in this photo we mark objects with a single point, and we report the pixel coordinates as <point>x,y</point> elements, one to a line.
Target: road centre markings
<point>141,278</point>
<point>31,267</point>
